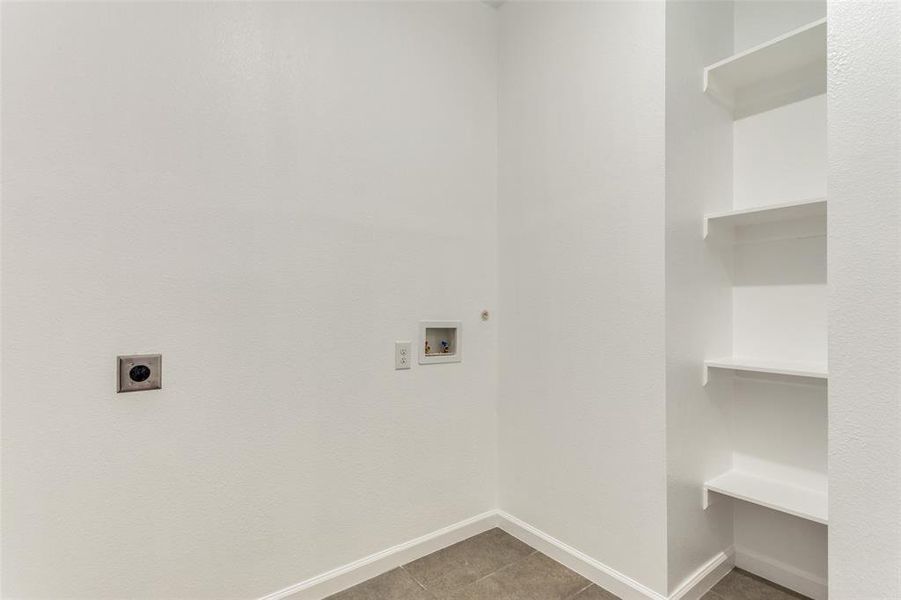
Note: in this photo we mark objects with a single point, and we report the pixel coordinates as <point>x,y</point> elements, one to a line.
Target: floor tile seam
<point>413,577</point>
<point>590,583</point>
<point>509,564</point>
<point>496,571</point>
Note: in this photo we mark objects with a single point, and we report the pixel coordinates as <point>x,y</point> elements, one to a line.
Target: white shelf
<point>754,365</point>
<point>787,69</point>
<point>778,495</point>
<point>774,213</point>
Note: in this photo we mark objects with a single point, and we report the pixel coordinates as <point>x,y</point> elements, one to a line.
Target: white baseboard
<point>341,578</point>
<point>351,574</point>
<point>608,578</point>
<point>699,583</point>
<point>785,575</point>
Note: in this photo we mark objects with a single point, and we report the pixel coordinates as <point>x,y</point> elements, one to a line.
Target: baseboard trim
<point>358,571</point>
<point>707,576</point>
<point>779,572</point>
<point>351,574</point>
<point>694,586</point>
<point>610,579</point>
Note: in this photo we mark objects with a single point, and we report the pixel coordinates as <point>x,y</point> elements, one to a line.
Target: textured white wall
<point>864,194</point>
<point>269,195</point>
<point>780,155</point>
<point>582,416</point>
<point>698,285</point>
<point>757,21</point>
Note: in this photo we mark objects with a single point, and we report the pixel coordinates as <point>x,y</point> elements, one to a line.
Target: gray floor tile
<point>741,585</point>
<point>536,577</point>
<point>393,585</point>
<point>595,593</point>
<point>465,562</point>
<point>496,566</point>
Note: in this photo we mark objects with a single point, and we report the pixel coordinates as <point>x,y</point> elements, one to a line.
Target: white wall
<point>757,21</point>
<point>865,302</point>
<point>698,285</point>
<point>780,155</point>
<point>269,195</point>
<point>582,416</point>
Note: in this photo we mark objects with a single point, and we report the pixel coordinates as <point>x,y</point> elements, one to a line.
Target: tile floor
<point>741,585</point>
<point>496,566</point>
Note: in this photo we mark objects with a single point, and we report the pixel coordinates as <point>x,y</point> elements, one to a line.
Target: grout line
<point>498,570</point>
<point>410,575</point>
<point>580,591</point>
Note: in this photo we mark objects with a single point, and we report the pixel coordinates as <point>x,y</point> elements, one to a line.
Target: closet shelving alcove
<point>787,69</point>
<point>769,233</point>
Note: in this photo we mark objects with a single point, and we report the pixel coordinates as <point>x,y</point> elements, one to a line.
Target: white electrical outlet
<point>403,352</point>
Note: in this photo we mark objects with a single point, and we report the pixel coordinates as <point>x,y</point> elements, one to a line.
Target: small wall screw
<point>485,315</point>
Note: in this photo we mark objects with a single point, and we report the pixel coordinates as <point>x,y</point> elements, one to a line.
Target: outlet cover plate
<point>403,355</point>
<point>139,372</point>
